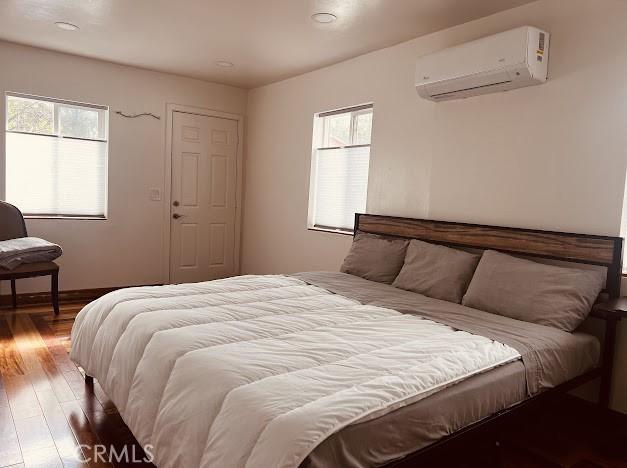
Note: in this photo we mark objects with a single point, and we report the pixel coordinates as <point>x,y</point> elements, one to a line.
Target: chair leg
<point>55,292</point>
<point>13,294</point>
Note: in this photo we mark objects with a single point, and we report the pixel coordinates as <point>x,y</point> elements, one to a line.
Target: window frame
<point>103,132</point>
<point>623,227</point>
<point>317,145</point>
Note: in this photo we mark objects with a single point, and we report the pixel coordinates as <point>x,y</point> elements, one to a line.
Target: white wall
<point>548,157</point>
<point>126,249</point>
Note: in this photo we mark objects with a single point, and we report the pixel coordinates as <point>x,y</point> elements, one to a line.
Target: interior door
<point>203,200</point>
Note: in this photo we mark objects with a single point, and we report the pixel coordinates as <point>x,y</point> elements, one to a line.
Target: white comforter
<point>256,371</point>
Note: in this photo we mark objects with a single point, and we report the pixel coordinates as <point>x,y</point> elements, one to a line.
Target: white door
<point>203,203</point>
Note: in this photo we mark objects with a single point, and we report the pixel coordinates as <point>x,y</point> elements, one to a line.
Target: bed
<point>330,369</point>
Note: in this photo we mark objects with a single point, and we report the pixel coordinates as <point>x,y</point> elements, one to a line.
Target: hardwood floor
<point>49,416</point>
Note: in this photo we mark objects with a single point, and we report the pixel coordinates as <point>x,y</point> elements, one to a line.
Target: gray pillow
<point>436,271</point>
<point>375,258</point>
<point>533,292</point>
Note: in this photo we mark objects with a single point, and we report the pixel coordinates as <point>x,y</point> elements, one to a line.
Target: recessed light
<point>224,63</point>
<point>323,18</point>
<point>66,26</point>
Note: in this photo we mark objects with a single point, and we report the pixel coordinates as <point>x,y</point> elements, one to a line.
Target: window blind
<point>56,176</point>
<point>341,187</point>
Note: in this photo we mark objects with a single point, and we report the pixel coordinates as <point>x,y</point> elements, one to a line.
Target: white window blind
<point>340,162</point>
<point>56,157</point>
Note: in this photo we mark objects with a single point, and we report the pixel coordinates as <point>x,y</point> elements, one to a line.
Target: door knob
<point>177,216</point>
<point>175,203</point>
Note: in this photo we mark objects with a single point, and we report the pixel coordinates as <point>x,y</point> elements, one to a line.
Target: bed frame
<point>587,249</point>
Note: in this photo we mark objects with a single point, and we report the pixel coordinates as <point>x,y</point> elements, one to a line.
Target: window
<point>339,168</point>
<point>623,226</point>
<point>56,157</point>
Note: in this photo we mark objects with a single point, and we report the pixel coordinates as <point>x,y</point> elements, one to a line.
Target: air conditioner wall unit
<point>504,61</point>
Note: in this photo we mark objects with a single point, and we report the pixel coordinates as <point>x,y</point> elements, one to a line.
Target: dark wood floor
<point>49,417</point>
<point>48,414</point>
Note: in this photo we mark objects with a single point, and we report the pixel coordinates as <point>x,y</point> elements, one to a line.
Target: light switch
<point>155,194</point>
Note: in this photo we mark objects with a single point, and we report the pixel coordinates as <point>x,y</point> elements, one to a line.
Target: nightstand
<point>612,312</point>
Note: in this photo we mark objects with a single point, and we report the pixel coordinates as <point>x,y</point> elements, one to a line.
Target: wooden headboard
<point>580,248</point>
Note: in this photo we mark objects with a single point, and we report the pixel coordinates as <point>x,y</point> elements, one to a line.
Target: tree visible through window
<point>30,115</point>
<point>339,169</point>
<point>56,156</point>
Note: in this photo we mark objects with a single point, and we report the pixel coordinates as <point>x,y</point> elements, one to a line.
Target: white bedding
<point>256,371</point>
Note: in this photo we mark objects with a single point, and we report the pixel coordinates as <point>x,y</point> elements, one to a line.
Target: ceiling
<point>266,40</point>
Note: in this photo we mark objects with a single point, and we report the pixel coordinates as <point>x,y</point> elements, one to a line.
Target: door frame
<point>167,187</point>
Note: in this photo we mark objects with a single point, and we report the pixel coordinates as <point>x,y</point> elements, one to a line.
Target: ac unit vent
<point>443,95</point>
<point>541,45</point>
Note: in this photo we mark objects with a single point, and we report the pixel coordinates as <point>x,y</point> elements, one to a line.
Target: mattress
<point>413,427</point>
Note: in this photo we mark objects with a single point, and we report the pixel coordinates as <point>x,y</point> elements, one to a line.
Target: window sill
<point>332,231</point>
<point>79,218</point>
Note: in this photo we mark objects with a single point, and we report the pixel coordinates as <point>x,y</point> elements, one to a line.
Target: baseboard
<point>74,295</point>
